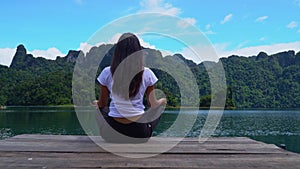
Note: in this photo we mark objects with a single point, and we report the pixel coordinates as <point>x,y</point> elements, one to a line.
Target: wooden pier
<point>58,151</point>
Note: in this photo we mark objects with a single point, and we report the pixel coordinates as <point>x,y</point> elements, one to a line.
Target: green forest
<point>262,81</point>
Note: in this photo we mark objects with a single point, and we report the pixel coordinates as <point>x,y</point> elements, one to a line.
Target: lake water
<point>276,127</point>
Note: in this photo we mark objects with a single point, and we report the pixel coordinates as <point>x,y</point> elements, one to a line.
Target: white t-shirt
<point>120,107</point>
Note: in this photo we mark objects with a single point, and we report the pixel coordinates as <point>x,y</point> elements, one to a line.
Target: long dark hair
<point>127,63</point>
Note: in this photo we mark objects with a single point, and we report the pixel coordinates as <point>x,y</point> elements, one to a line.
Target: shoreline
<point>167,108</point>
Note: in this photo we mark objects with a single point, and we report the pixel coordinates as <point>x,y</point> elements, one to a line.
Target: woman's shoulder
<point>148,72</point>
<point>146,69</point>
<point>104,76</point>
<point>149,76</point>
<point>106,70</point>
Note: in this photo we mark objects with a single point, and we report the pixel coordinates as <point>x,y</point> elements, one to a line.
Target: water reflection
<point>276,127</point>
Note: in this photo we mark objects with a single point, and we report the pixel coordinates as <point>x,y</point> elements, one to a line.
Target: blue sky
<point>52,27</point>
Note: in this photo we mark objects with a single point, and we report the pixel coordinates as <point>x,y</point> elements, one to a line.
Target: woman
<point>125,82</point>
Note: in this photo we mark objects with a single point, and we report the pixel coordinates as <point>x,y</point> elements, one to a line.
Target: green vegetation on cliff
<point>260,81</point>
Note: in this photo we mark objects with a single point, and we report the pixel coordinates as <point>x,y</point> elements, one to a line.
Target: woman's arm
<point>103,99</point>
<point>151,98</point>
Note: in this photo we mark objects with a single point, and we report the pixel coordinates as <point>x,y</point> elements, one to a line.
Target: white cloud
<point>186,22</point>
<point>6,56</point>
<point>242,44</point>
<point>213,53</point>
<point>254,50</point>
<point>115,38</point>
<point>227,18</point>
<point>86,47</point>
<point>210,32</point>
<point>130,9</point>
<point>78,1</point>
<point>262,39</point>
<point>207,27</point>
<point>165,53</point>
<point>191,21</point>
<point>292,25</point>
<point>200,53</point>
<point>146,44</point>
<point>50,53</point>
<point>159,6</point>
<point>261,19</point>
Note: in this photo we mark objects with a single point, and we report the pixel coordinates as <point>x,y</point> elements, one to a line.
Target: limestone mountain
<point>262,81</point>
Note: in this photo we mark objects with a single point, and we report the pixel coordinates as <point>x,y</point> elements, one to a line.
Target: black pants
<point>135,132</point>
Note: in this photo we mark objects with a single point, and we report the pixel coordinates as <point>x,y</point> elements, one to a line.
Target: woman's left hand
<point>95,103</point>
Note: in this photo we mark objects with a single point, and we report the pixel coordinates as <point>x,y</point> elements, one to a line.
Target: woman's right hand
<point>162,102</point>
<point>96,104</point>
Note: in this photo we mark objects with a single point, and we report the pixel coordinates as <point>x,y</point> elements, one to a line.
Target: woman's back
<point>121,107</point>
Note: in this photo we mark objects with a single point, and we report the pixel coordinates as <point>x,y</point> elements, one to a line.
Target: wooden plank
<point>80,139</point>
<point>85,138</point>
<point>176,150</point>
<point>47,151</point>
<point>74,160</point>
<point>89,146</point>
